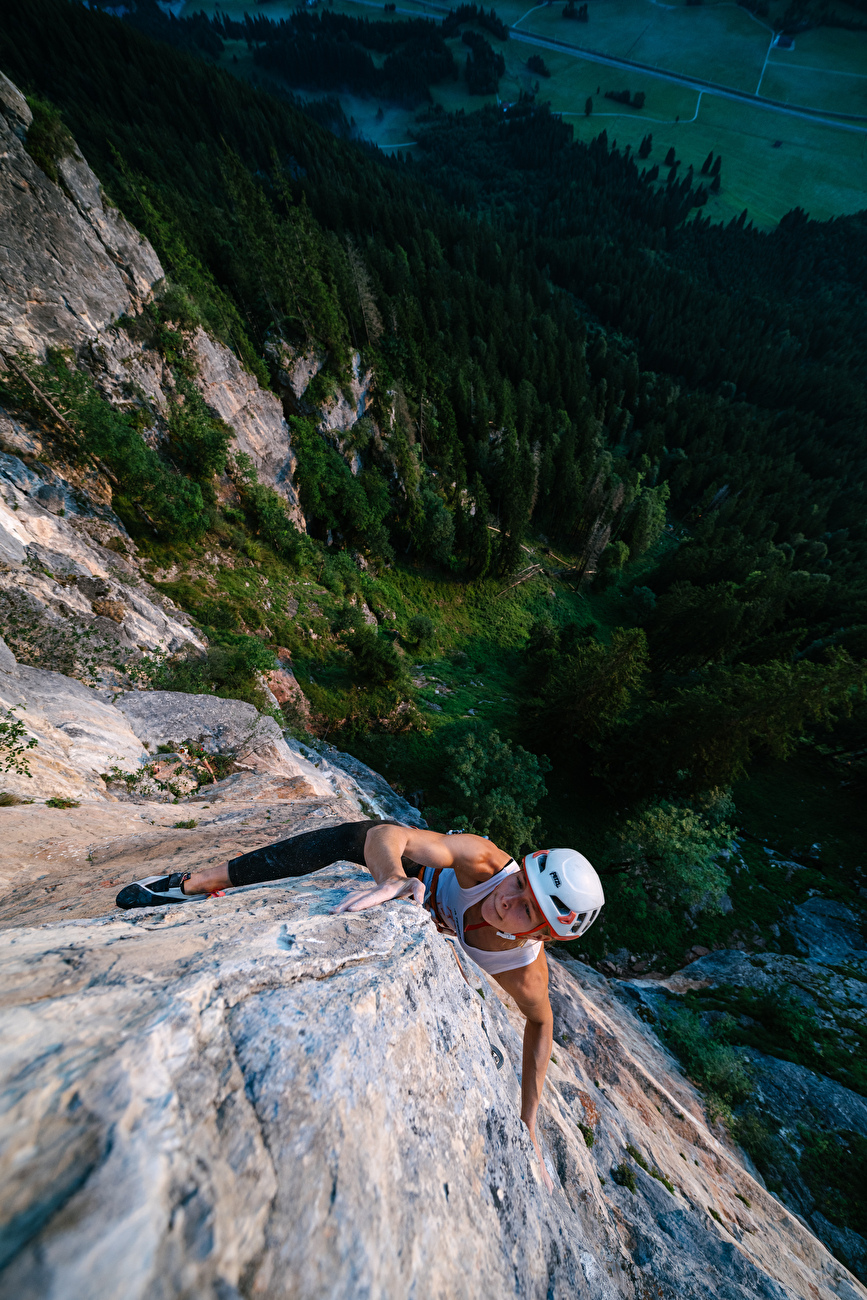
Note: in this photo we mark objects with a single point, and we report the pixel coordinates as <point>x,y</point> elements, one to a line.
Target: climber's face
<point>511,907</point>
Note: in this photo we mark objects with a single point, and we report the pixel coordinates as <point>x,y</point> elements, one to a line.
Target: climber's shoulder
<point>529,987</point>
<point>473,858</point>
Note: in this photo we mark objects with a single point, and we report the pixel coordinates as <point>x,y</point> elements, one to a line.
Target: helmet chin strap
<point>523,934</point>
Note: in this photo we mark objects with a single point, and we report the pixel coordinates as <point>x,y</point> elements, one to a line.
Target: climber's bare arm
<point>529,987</point>
<point>473,859</point>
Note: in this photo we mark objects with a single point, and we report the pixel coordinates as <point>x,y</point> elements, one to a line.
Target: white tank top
<point>453,902</point>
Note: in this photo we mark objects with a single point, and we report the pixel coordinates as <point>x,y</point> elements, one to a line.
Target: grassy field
<point>829,89</point>
<point>718,43</point>
<point>803,171</point>
<point>772,162</point>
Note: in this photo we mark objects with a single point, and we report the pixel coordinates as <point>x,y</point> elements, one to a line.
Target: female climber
<point>470,887</point>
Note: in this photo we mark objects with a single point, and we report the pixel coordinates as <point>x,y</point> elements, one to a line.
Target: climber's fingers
<point>351,899</point>
<point>364,898</point>
<point>413,889</point>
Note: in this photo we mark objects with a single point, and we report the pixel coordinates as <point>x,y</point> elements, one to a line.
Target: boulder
<point>252,1097</point>
<point>78,734</point>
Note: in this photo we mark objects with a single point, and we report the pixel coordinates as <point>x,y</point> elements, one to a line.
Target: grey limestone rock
<point>78,734</point>
<point>348,405</point>
<point>257,745</point>
<point>795,1095</point>
<point>14,106</point>
<point>375,789</point>
<point>54,576</point>
<point>254,1097</point>
<point>295,368</point>
<point>254,414</point>
<point>7,658</point>
<point>70,264</point>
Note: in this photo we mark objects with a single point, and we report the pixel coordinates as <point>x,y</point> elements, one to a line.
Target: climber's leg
<point>297,856</point>
<point>301,854</point>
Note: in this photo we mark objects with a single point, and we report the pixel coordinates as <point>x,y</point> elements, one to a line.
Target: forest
<point>569,359</point>
<point>329,51</point>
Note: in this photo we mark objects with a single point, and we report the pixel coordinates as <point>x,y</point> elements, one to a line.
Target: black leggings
<point>301,854</point>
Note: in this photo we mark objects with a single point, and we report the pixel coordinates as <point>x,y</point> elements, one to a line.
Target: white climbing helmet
<point>567,890</point>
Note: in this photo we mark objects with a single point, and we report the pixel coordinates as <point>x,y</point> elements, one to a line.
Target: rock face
<point>346,408</point>
<point>70,264</point>
<point>248,1096</point>
<point>251,1097</point>
<point>257,745</point>
<point>791,1102</point>
<point>826,931</point>
<point>79,735</point>
<point>256,416</point>
<point>65,594</point>
<point>295,369</point>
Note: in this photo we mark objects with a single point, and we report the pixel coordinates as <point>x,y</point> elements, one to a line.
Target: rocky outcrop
<point>789,1102</point>
<point>285,692</point>
<point>347,405</point>
<point>830,995</point>
<point>128,372</point>
<point>296,368</point>
<point>255,416</point>
<point>829,932</point>
<point>83,733</point>
<point>70,263</point>
<point>73,602</point>
<point>377,792</point>
<point>78,734</point>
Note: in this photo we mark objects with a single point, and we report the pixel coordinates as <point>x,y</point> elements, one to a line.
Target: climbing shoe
<point>157,891</point>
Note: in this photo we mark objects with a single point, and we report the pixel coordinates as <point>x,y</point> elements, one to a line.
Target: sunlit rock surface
<point>249,1096</point>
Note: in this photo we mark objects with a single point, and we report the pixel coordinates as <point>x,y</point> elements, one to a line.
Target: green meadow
<point>772,161</point>
<point>718,43</point>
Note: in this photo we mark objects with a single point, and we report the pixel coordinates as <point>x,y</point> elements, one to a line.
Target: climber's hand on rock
<point>400,887</point>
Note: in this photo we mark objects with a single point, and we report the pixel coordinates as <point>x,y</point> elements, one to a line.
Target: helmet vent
<point>543,861</point>
<point>560,905</point>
